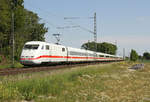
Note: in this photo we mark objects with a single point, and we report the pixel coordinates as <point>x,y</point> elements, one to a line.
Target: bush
<point>133,55</point>
<point>146,55</point>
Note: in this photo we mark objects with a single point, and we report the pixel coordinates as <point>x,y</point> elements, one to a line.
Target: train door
<point>47,53</point>
<point>64,54</point>
<point>67,54</point>
<point>44,53</point>
<point>95,56</point>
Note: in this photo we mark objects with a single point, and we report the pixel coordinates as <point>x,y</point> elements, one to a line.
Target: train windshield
<point>29,47</point>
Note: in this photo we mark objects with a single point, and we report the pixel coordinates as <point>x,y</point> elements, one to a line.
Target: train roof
<point>35,42</point>
<point>41,42</point>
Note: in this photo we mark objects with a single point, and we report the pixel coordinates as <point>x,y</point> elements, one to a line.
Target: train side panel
<point>90,55</point>
<point>76,55</point>
<point>58,53</point>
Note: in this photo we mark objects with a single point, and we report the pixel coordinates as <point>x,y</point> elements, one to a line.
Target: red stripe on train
<point>46,56</point>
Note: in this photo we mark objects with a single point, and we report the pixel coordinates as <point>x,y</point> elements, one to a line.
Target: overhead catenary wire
<point>48,13</point>
<point>72,25</point>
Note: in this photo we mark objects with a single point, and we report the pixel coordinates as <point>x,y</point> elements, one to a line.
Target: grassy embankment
<point>9,65</point>
<point>6,63</point>
<point>104,83</point>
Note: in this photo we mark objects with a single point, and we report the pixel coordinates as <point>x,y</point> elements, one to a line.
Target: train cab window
<point>101,55</point>
<point>63,49</point>
<point>29,47</point>
<point>47,47</point>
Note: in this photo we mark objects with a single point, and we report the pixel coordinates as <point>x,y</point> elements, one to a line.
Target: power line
<point>65,18</point>
<point>47,13</point>
<point>83,28</point>
<point>75,24</point>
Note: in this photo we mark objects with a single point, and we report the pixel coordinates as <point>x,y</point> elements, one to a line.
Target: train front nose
<point>27,60</point>
<point>30,60</point>
<point>29,55</point>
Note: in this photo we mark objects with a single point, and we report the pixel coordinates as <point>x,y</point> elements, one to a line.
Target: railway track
<point>15,71</point>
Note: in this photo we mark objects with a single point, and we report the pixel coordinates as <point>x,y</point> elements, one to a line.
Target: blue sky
<point>126,22</point>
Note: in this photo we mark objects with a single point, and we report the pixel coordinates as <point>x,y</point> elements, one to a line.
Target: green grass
<point>104,83</point>
<point>9,65</point>
<point>5,62</point>
<point>145,61</point>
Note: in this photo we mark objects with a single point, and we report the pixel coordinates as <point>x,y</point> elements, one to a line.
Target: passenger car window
<point>63,49</point>
<point>47,47</point>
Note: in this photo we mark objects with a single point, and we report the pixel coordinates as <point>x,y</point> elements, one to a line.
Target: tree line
<point>134,56</point>
<point>104,47</point>
<point>110,48</point>
<point>27,26</point>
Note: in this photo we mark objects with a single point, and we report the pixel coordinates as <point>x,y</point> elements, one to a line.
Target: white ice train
<point>37,52</point>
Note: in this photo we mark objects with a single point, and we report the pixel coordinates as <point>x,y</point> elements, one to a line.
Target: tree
<point>26,24</point>
<point>140,57</point>
<point>89,46</point>
<point>146,55</point>
<point>5,20</point>
<point>104,47</point>
<point>133,55</point>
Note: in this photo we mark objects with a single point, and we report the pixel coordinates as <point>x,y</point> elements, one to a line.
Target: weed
<point>105,83</point>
